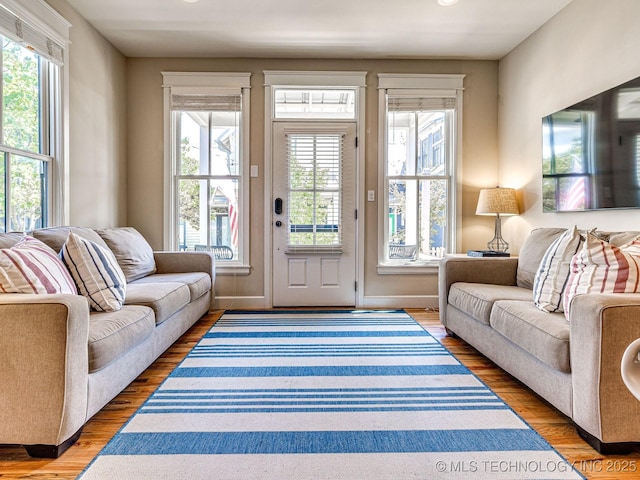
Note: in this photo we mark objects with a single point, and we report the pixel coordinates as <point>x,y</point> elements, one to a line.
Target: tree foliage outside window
<point>21,130</point>
<point>189,190</point>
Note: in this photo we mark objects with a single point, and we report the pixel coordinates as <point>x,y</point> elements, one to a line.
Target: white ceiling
<point>478,29</point>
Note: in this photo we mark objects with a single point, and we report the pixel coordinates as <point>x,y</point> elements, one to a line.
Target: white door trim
<point>319,79</point>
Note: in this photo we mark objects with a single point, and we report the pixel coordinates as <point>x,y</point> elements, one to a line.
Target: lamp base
<point>497,243</point>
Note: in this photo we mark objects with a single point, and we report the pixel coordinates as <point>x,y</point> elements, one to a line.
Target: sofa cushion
<point>112,334</point>
<point>56,236</point>
<point>531,253</point>
<point>8,240</point>
<point>544,335</point>
<point>600,267</point>
<point>553,272</point>
<point>199,283</point>
<point>30,266</point>
<point>477,299</point>
<point>96,272</point>
<point>132,250</point>
<point>165,298</point>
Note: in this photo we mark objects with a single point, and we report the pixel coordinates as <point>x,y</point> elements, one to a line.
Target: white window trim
<point>41,16</point>
<point>434,85</point>
<point>320,79</point>
<point>207,82</point>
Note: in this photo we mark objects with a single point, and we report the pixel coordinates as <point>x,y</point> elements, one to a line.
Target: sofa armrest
<point>496,271</point>
<point>602,326</point>
<point>44,358</point>
<point>181,262</point>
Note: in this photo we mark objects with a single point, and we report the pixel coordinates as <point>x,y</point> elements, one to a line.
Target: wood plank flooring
<point>552,425</point>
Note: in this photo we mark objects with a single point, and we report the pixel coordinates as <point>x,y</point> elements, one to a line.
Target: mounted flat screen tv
<point>591,152</point>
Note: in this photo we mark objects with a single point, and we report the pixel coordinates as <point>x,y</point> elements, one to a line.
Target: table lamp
<point>497,201</point>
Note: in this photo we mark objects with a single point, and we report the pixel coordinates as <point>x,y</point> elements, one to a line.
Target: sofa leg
<point>52,451</point>
<point>616,448</point>
<point>450,333</point>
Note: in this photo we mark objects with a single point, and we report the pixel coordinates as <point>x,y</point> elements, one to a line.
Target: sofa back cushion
<point>55,237</point>
<point>8,240</point>
<point>133,252</point>
<point>531,253</point>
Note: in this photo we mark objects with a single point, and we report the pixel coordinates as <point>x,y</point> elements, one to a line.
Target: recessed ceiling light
<point>446,3</point>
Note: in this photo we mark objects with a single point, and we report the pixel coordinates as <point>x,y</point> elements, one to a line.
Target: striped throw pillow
<point>553,272</point>
<point>600,267</point>
<point>30,266</point>
<point>96,272</point>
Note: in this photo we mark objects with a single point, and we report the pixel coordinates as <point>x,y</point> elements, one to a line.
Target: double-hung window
<point>31,127</point>
<point>208,163</point>
<point>419,133</point>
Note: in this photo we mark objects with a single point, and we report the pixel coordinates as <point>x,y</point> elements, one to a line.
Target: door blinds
<point>314,165</point>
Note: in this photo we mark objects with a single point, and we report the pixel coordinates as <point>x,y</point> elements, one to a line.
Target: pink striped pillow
<point>600,267</point>
<point>30,266</point>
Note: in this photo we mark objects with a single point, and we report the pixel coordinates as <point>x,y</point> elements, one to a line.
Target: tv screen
<point>591,152</point>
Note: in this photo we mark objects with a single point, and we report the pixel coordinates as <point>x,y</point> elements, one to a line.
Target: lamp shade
<point>497,201</point>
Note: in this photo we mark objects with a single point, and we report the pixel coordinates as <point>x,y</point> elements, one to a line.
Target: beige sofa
<point>575,364</point>
<point>61,362</point>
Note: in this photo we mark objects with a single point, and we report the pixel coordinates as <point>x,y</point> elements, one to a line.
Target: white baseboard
<point>400,301</point>
<point>396,301</point>
<point>243,303</point>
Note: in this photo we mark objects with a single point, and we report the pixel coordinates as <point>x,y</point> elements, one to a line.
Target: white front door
<point>314,214</point>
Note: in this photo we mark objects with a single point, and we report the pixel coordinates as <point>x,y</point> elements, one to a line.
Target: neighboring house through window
<point>419,134</point>
<point>32,188</point>
<point>207,164</point>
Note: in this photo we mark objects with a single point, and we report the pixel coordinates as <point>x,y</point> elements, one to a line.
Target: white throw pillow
<point>553,272</point>
<point>30,266</point>
<point>96,272</point>
<point>600,267</point>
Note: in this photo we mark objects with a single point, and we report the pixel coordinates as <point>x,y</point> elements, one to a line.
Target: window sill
<point>222,269</point>
<point>426,267</point>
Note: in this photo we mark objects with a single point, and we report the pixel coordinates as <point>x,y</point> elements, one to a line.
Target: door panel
<point>314,235</point>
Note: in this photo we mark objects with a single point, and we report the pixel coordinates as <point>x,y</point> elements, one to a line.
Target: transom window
<point>314,103</point>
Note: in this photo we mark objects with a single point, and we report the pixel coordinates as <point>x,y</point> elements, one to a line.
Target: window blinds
<point>19,31</point>
<point>416,104</point>
<point>206,102</point>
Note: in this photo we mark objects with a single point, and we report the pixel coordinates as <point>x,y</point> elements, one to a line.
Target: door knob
<point>278,223</point>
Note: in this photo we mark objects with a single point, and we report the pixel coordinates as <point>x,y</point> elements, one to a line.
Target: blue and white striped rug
<point>297,395</point>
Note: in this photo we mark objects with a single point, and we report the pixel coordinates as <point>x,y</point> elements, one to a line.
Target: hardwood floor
<point>552,425</point>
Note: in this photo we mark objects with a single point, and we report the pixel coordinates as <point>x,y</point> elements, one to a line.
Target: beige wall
<point>145,156</point>
<point>97,126</point>
<point>590,46</point>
